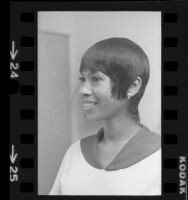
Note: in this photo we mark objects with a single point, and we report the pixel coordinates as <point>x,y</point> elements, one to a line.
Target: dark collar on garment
<point>143,144</point>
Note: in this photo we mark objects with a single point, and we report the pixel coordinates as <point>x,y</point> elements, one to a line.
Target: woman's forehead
<point>92,67</point>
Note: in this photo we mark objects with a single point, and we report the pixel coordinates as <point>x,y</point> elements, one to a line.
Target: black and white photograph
<point>99,103</point>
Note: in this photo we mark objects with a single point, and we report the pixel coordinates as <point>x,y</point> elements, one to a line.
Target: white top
<point>77,177</point>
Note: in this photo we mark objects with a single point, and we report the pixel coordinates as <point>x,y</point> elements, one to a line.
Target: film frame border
<point>23,90</point>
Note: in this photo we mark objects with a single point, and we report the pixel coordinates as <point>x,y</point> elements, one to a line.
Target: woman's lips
<point>89,104</point>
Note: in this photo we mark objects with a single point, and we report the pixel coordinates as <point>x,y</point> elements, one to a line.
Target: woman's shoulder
<point>150,136</point>
<point>82,143</point>
<point>75,146</point>
<point>88,142</point>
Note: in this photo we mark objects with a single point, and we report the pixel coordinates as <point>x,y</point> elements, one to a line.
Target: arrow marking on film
<point>13,52</point>
<point>12,155</point>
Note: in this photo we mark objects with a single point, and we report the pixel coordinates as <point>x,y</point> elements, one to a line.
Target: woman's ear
<point>134,88</point>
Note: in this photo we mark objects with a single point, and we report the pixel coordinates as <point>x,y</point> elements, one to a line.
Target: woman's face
<point>98,103</point>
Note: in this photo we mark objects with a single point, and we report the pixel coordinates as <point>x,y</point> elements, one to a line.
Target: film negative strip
<point>25,145</point>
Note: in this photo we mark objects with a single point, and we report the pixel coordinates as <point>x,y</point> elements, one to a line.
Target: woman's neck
<point>119,129</point>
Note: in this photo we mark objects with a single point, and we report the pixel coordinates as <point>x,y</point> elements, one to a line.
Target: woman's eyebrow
<point>99,74</point>
<point>96,73</point>
<point>90,74</point>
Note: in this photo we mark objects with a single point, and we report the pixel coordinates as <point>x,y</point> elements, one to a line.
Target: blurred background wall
<point>63,37</point>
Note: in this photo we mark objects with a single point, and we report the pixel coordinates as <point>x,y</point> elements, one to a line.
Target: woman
<point>123,158</point>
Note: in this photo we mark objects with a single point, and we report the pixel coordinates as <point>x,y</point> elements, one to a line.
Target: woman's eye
<point>82,79</point>
<point>95,79</point>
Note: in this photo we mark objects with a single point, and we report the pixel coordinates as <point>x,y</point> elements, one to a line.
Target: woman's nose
<point>85,90</point>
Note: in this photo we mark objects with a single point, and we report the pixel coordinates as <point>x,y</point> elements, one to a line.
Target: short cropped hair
<point>122,61</point>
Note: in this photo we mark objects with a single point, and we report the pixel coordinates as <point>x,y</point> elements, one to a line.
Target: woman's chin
<point>93,117</point>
